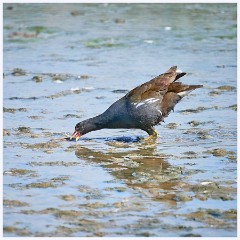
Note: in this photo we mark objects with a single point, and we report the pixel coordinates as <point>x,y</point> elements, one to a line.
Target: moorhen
<point>143,107</point>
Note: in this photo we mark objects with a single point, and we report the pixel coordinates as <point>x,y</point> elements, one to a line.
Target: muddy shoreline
<point>64,64</point>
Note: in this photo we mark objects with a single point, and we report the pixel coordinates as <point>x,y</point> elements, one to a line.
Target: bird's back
<point>149,103</point>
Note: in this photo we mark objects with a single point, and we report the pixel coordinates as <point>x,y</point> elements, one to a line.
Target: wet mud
<point>112,182</point>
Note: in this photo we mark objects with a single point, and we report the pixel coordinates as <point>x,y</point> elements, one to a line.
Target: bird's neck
<point>95,123</point>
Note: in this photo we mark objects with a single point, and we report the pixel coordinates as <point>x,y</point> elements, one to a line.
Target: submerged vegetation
<point>66,63</point>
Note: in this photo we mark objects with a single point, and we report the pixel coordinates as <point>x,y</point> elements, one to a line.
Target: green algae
<point>14,203</point>
<point>55,163</point>
<point>37,79</point>
<point>18,172</point>
<point>103,43</point>
<point>68,197</point>
<point>233,107</point>
<point>18,72</point>
<point>227,88</point>
<point>17,230</point>
<point>44,145</point>
<point>67,214</point>
<point>13,110</point>
<point>24,130</point>
<point>40,29</point>
<point>41,185</point>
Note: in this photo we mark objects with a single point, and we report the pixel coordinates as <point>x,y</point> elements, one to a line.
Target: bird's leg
<point>152,134</point>
<point>152,137</point>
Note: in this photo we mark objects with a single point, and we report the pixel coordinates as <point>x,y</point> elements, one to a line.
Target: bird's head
<point>82,128</point>
<point>79,131</point>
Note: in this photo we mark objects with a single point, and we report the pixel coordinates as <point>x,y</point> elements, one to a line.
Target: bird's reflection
<point>139,165</point>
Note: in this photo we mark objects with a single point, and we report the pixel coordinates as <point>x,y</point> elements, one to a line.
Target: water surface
<point>64,63</point>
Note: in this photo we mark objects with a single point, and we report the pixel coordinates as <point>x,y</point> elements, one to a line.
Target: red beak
<point>75,135</point>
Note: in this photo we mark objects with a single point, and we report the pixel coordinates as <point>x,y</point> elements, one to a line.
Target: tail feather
<point>188,89</point>
<point>176,91</point>
<point>178,87</point>
<point>179,75</point>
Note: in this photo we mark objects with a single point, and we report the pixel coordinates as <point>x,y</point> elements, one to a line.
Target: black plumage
<point>143,107</point>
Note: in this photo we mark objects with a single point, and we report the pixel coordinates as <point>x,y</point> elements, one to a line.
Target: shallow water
<point>66,63</point>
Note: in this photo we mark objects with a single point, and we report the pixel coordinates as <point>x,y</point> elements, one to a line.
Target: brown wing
<point>153,100</point>
<point>176,91</point>
<point>155,88</point>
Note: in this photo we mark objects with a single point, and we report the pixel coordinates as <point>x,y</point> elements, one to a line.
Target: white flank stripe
<point>184,93</point>
<point>147,101</point>
<point>179,71</point>
<point>140,104</point>
<point>151,100</point>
